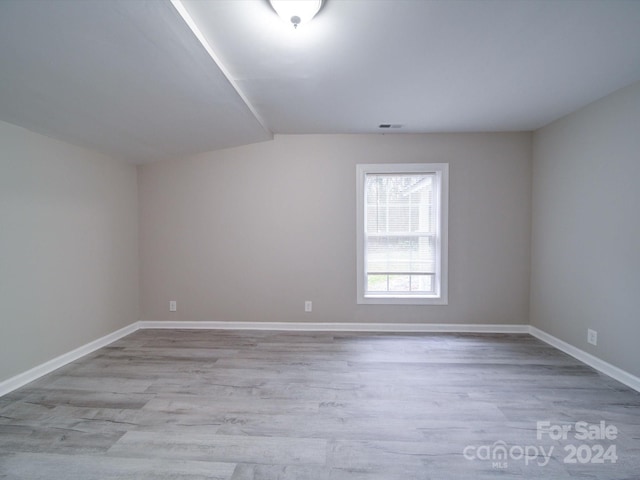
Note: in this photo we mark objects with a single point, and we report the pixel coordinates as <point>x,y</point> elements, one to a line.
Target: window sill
<point>401,300</point>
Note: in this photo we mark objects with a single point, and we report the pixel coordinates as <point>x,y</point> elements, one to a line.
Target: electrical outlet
<point>308,306</point>
<point>173,306</point>
<point>592,337</point>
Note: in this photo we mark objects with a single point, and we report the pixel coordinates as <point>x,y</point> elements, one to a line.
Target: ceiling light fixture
<point>296,11</point>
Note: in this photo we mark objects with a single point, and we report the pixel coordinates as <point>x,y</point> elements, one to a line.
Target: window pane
<point>400,283</point>
<point>400,203</point>
<point>422,283</point>
<point>377,283</point>
<point>400,254</point>
<point>400,232</point>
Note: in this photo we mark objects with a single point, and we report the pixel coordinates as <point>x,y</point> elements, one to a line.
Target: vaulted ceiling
<point>147,80</point>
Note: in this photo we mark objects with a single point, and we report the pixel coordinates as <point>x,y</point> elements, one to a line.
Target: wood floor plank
<point>228,448</point>
<point>85,467</point>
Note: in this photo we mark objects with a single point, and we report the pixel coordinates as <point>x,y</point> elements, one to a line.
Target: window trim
<point>442,173</point>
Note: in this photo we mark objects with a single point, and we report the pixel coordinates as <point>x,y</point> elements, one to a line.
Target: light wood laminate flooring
<point>245,405</point>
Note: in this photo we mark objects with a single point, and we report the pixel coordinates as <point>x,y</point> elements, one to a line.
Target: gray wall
<point>586,228</point>
<point>250,233</point>
<point>68,248</point>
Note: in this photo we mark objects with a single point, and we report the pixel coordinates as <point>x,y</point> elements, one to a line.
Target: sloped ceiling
<point>127,78</point>
<point>131,78</point>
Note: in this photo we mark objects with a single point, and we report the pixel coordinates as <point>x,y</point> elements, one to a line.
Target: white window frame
<point>441,171</point>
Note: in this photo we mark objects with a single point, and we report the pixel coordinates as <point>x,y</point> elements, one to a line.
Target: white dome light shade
<point>296,12</point>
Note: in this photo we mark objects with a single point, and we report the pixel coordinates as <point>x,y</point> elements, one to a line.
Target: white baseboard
<point>339,327</point>
<point>617,373</point>
<point>21,379</point>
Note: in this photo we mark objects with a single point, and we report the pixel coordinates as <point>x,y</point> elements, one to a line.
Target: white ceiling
<point>131,79</point>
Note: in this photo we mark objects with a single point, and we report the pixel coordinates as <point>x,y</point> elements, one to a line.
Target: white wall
<point>68,248</point>
<point>586,228</point>
<point>248,234</point>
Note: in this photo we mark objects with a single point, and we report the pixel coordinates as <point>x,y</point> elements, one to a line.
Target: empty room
<point>319,239</point>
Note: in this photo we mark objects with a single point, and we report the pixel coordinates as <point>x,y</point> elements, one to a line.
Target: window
<point>402,233</point>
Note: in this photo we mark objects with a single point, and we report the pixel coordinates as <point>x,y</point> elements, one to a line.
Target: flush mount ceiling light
<point>296,12</point>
